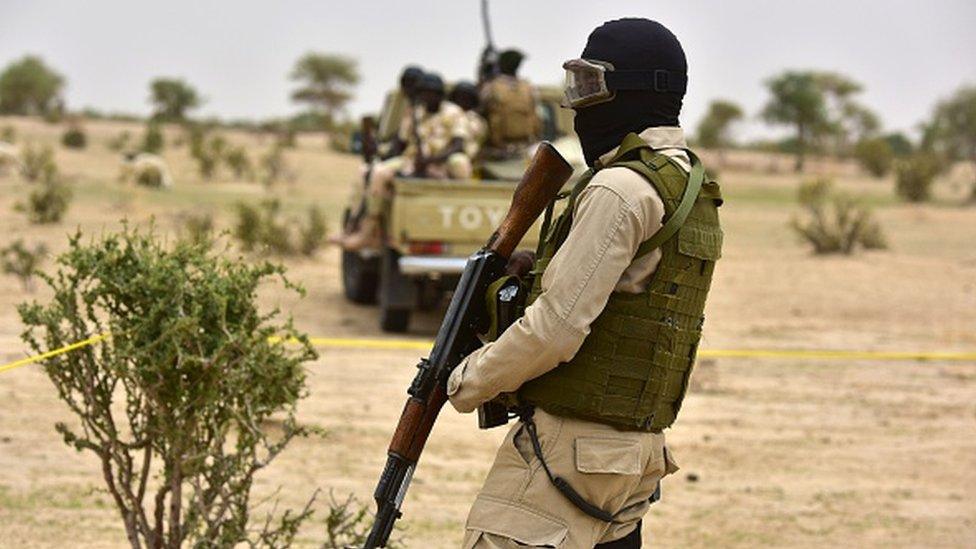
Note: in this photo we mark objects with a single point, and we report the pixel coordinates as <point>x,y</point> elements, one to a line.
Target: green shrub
<point>914,176</point>
<point>208,154</point>
<point>834,222</point>
<point>119,142</point>
<point>196,227</point>
<point>875,156</point>
<point>348,525</point>
<point>239,162</point>
<point>172,405</point>
<point>8,134</point>
<point>149,176</point>
<point>37,164</point>
<point>262,227</point>
<point>273,166</point>
<point>74,138</point>
<point>47,203</point>
<point>313,233</point>
<point>22,262</point>
<point>153,140</point>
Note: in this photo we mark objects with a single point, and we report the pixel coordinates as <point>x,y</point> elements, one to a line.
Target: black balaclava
<point>430,91</point>
<point>509,61</point>
<point>629,44</point>
<point>409,78</point>
<point>464,95</point>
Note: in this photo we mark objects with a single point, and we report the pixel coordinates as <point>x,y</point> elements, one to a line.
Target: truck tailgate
<point>459,214</point>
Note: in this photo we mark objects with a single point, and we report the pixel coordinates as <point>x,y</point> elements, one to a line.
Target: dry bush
<point>273,166</point>
<point>22,262</point>
<point>37,163</point>
<point>119,142</point>
<point>174,402</point>
<point>875,156</point>
<point>8,134</point>
<point>239,162</point>
<point>914,176</point>
<point>262,227</point>
<point>196,227</point>
<point>312,234</point>
<point>835,222</point>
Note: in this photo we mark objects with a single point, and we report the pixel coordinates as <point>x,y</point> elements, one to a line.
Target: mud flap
<point>397,292</point>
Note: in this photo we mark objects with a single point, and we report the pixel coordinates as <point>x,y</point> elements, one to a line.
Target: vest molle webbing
<point>633,369</point>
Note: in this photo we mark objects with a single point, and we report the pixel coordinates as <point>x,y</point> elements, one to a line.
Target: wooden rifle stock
<point>458,336</point>
<point>547,173</point>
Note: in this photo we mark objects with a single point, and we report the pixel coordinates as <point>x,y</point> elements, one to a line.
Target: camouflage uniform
<point>436,131</point>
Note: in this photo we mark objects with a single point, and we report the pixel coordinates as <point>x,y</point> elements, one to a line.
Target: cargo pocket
<point>608,455</point>
<point>670,465</point>
<point>523,526</point>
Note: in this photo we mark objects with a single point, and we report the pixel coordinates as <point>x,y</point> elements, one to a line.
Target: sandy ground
<point>774,453</point>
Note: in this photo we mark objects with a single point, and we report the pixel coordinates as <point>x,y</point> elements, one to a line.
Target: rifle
<point>458,335</point>
<point>488,64</point>
<point>419,163</point>
<point>367,135</point>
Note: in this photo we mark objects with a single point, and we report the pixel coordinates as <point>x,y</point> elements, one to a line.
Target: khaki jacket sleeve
<point>605,234</point>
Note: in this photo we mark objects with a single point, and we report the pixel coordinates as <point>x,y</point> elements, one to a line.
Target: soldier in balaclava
<point>509,104</point>
<point>433,135</point>
<point>598,365</point>
<point>465,95</point>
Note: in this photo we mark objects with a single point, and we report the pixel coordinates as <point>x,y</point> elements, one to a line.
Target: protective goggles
<point>589,82</point>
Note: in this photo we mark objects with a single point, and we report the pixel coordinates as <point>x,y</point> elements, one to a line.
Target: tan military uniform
<point>510,110</point>
<point>616,470</point>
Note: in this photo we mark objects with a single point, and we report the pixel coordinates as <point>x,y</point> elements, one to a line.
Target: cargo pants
<point>615,470</point>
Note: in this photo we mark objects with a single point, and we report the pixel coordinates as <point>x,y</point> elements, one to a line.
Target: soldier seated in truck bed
<point>439,140</point>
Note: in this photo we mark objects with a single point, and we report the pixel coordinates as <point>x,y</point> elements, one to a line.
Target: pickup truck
<point>435,224</point>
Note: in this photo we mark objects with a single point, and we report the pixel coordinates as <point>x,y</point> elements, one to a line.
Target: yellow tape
<point>423,345</point>
<point>53,352</point>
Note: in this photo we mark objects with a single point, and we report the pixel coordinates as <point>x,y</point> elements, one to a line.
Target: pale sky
<point>907,53</point>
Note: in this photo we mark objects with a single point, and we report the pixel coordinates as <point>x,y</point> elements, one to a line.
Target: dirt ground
<point>774,453</point>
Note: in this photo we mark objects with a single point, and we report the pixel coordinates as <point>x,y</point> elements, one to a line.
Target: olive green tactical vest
<point>632,370</point>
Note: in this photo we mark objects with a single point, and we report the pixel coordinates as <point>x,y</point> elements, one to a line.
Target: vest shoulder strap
<point>677,218</point>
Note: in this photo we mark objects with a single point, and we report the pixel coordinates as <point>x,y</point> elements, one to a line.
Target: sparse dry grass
<point>798,454</point>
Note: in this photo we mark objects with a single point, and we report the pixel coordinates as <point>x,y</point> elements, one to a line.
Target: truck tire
<point>360,277</point>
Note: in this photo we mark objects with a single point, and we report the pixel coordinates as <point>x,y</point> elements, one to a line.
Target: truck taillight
<point>427,247</point>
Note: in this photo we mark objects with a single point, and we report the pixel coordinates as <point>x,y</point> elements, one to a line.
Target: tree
<point>30,87</point>
<point>819,105</point>
<point>798,100</point>
<point>325,81</point>
<point>713,130</point>
<point>172,97</point>
<point>952,130</point>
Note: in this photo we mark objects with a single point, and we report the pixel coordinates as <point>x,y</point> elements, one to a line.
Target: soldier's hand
<point>520,263</point>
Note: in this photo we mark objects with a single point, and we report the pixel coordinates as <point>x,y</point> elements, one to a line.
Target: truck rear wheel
<point>360,277</point>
